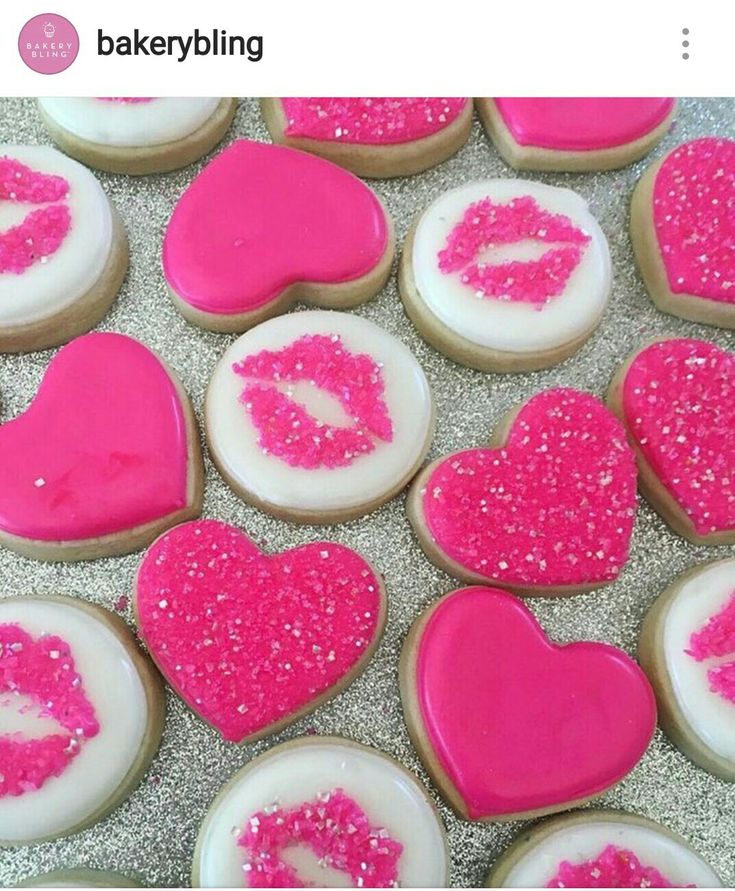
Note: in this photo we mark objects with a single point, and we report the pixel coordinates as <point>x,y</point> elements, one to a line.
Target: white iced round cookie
<point>506,273</point>
<point>82,877</point>
<point>324,812</point>
<point>318,416</point>
<point>600,849</point>
<point>80,716</point>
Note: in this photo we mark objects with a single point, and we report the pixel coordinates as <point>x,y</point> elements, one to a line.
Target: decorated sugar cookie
<point>687,648</point>
<point>79,878</point>
<point>318,416</point>
<point>600,849</point>
<point>137,135</point>
<point>506,275</point>
<point>321,811</point>
<point>683,230</point>
<point>81,715</point>
<point>547,509</point>
<point>263,226</point>
<point>575,133</point>
<point>676,399</point>
<point>376,137</point>
<point>253,641</point>
<point>482,685</point>
<point>63,249</point>
<point>105,457</point>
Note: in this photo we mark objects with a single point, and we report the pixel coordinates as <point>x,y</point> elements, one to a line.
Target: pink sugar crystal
<point>126,100</point>
<point>335,828</point>
<point>717,638</point>
<point>614,868</point>
<point>19,183</point>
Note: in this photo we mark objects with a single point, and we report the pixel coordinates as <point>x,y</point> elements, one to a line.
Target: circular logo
<point>48,43</point>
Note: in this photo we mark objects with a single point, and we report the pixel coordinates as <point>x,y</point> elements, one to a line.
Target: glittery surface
<point>717,638</point>
<point>614,868</point>
<point>152,834</point>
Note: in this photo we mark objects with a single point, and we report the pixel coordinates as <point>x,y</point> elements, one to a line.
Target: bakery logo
<point>48,43</point>
<point>216,42</point>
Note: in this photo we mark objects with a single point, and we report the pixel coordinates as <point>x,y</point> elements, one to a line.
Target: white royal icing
<point>112,684</point>
<point>46,288</point>
<point>292,775</point>
<point>130,124</point>
<point>511,326</point>
<point>234,439</point>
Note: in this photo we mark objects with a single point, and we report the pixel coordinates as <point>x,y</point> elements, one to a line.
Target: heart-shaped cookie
<point>676,399</point>
<point>549,510</point>
<point>104,459</point>
<point>511,725</point>
<point>263,226</point>
<point>251,641</point>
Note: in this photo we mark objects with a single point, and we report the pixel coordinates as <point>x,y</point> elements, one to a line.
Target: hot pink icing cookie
<point>549,510</point>
<point>263,226</point>
<point>105,457</point>
<point>251,641</point>
<point>483,685</point>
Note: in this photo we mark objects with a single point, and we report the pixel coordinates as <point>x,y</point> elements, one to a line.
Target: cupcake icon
<point>49,30</point>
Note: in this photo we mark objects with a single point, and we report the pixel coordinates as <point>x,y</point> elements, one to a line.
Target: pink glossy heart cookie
<point>263,226</point>
<point>105,457</point>
<point>548,509</point>
<point>676,399</point>
<point>511,725</point>
<point>252,641</point>
<point>683,230</point>
<point>374,137</point>
<point>566,133</point>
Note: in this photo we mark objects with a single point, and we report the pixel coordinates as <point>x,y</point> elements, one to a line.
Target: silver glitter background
<point>151,836</point>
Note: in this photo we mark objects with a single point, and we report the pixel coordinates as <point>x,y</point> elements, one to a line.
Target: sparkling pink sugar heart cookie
<point>263,226</point>
<point>548,510</point>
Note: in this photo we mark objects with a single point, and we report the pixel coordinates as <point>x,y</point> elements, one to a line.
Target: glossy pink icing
<point>260,218</point>
<point>40,675</point>
<point>101,449</point>
<point>287,430</point>
<point>717,638</point>
<point>486,225</point>
<point>679,407</point>
<point>614,868</point>
<point>337,831</point>
<point>581,124</point>
<point>555,723</point>
<point>369,121</point>
<point>248,639</point>
<point>694,218</point>
<point>554,506</point>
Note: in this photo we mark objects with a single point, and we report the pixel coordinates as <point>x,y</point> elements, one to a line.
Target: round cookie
<point>481,684</point>
<point>318,417</point>
<point>675,399</point>
<point>137,135</point>
<point>683,231</point>
<point>687,648</point>
<point>263,226</point>
<point>81,713</point>
<point>63,249</point>
<point>322,811</point>
<point>575,134</point>
<point>81,877</point>
<point>600,849</point>
<point>506,275</point>
<point>373,137</point>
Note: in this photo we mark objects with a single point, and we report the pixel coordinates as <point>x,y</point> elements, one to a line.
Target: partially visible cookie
<point>81,877</point>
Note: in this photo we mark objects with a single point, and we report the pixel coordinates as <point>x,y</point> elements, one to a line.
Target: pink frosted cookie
<point>547,509</point>
<point>506,275</point>
<point>81,712</point>
<point>105,457</point>
<point>375,137</point>
<point>575,133</point>
<point>251,642</point>
<point>483,686</point>
<point>137,135</point>
<point>600,849</point>
<point>683,230</point>
<point>263,226</point>
<point>318,416</point>
<point>676,399</point>
<point>318,812</point>
<point>63,249</point>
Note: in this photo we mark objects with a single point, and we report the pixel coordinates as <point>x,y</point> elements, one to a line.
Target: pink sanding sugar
<point>126,100</point>
<point>614,868</point>
<point>19,183</point>
<point>717,638</point>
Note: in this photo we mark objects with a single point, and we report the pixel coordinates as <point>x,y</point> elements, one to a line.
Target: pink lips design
<point>717,639</point>
<point>487,225</point>
<point>287,430</point>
